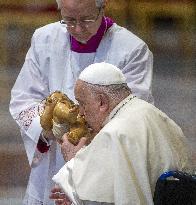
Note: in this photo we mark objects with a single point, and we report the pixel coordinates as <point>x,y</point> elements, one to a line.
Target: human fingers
<point>64,138</point>
<point>68,150</point>
<point>57,195</point>
<point>66,146</point>
<point>56,188</point>
<point>64,201</point>
<point>82,142</point>
<point>60,202</point>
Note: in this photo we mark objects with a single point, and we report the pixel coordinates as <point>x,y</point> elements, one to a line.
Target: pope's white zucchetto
<point>102,74</point>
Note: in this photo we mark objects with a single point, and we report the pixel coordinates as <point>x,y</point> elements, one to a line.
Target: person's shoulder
<point>123,35</point>
<point>49,30</point>
<point>151,114</point>
<point>135,111</point>
<point>137,115</point>
<point>49,27</point>
<point>129,114</point>
<point>143,109</point>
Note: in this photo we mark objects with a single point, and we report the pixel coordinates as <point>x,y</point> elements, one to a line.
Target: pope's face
<point>78,11</point>
<point>89,106</point>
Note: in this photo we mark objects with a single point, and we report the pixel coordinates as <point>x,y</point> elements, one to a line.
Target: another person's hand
<point>68,150</point>
<point>48,135</point>
<point>59,196</point>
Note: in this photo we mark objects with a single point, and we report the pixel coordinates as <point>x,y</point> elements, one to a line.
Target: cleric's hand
<point>59,196</point>
<point>68,150</point>
<point>48,135</point>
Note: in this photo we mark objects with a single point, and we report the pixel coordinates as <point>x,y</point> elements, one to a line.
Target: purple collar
<point>93,43</point>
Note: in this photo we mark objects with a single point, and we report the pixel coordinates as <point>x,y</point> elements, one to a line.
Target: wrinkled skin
<point>59,196</point>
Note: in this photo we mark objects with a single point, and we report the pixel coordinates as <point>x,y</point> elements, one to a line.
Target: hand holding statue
<point>69,150</point>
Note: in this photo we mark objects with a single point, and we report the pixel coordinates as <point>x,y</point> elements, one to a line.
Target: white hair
<point>99,3</point>
<point>114,92</point>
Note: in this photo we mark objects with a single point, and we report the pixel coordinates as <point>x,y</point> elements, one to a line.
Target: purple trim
<point>93,43</point>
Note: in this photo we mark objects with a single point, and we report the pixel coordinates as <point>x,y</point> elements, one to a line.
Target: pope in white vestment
<point>52,63</point>
<point>136,145</point>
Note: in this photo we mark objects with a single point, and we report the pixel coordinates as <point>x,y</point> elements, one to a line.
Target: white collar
<point>117,108</point>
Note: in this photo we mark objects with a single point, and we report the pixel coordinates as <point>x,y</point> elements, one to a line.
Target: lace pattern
<point>26,117</point>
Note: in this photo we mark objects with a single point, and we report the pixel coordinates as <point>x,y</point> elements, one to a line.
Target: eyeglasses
<point>83,23</point>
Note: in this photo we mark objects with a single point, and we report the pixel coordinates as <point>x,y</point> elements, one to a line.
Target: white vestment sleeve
<point>139,72</point>
<point>64,180</point>
<point>31,86</point>
<point>29,90</point>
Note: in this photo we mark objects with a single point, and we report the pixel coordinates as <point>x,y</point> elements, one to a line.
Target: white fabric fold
<point>124,161</point>
<point>64,180</point>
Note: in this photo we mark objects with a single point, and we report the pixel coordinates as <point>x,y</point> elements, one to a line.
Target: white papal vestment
<point>123,162</point>
<point>50,65</point>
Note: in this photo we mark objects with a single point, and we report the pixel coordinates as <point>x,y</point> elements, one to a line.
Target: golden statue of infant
<point>60,110</point>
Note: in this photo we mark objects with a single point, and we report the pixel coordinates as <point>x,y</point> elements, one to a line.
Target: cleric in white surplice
<point>135,145</point>
<point>59,52</point>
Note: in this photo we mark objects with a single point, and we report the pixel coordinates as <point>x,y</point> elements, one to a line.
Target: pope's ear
<point>103,102</point>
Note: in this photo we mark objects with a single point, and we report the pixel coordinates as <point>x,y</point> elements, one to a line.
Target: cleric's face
<point>82,18</point>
